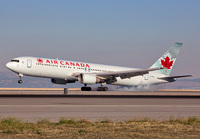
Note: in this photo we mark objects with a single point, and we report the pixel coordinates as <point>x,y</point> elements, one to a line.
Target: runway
<point>33,106</point>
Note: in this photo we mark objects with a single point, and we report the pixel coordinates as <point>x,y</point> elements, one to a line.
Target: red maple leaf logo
<point>40,60</point>
<point>167,63</point>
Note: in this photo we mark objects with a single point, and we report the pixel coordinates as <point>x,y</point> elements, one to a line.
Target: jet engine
<point>88,79</point>
<point>61,81</point>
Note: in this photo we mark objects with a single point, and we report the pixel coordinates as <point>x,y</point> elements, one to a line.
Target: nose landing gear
<point>65,91</point>
<point>20,81</point>
<point>20,78</point>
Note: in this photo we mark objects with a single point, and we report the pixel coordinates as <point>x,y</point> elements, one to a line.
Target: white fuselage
<point>62,69</point>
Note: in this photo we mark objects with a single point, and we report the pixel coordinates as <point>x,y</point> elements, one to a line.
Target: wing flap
<point>128,73</point>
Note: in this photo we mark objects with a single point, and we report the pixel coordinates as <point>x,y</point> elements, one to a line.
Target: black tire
<point>102,89</point>
<point>89,88</point>
<point>99,89</point>
<point>82,88</point>
<point>105,88</point>
<point>86,89</point>
<point>20,81</point>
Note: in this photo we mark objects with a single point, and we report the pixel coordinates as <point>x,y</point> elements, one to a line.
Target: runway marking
<point>180,106</point>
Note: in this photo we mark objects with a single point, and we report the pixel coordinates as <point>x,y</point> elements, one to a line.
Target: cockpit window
<point>14,60</point>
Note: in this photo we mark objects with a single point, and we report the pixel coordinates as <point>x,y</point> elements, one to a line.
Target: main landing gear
<point>20,78</point>
<point>85,88</point>
<point>101,88</point>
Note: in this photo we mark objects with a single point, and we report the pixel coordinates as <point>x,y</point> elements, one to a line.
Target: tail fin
<point>168,59</point>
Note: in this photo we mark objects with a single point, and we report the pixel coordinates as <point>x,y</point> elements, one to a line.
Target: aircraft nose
<point>9,65</point>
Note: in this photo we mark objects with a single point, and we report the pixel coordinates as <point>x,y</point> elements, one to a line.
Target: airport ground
<point>33,105</point>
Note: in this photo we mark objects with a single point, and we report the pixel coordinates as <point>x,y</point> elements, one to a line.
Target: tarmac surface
<point>34,105</point>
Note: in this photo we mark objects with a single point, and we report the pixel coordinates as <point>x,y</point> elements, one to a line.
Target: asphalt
<point>33,106</point>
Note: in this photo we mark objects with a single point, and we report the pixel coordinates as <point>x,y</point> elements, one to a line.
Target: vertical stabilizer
<point>167,60</point>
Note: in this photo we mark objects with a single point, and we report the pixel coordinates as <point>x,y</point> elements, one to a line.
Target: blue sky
<point>129,33</point>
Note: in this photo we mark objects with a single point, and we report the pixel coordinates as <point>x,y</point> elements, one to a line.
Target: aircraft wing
<point>126,74</point>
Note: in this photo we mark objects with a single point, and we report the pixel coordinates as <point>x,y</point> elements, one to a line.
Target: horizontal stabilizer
<point>174,77</point>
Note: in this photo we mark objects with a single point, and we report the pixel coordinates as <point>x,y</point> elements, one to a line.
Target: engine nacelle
<point>88,79</point>
<point>61,81</point>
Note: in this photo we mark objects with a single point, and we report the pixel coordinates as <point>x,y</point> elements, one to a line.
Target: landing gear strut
<point>20,78</point>
<point>85,88</point>
<point>65,91</point>
<point>101,88</point>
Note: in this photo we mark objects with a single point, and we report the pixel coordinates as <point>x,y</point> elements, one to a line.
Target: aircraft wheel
<point>102,89</point>
<point>99,89</point>
<point>105,88</point>
<point>86,89</point>
<point>82,88</point>
<point>20,81</point>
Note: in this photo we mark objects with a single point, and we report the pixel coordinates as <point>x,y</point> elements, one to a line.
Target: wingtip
<point>179,43</point>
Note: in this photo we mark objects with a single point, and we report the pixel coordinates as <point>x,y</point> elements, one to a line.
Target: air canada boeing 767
<point>65,71</point>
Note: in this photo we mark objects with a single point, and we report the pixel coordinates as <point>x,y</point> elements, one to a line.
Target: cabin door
<point>146,76</point>
<point>29,63</point>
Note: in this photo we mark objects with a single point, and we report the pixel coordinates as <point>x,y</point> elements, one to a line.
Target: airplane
<point>65,71</point>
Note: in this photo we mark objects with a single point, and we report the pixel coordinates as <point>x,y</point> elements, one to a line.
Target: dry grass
<point>144,128</point>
